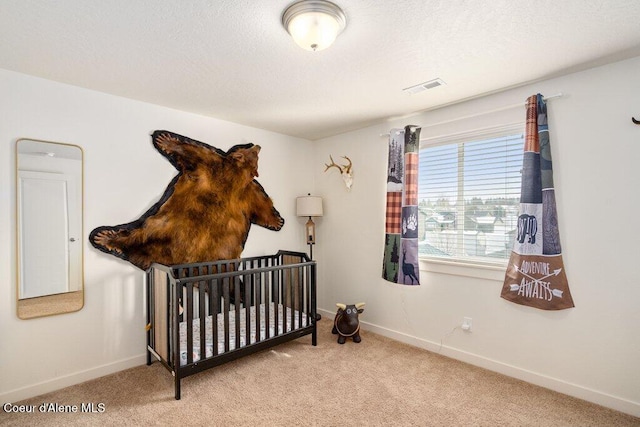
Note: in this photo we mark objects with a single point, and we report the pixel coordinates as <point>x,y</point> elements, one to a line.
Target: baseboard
<point>590,395</point>
<point>71,379</point>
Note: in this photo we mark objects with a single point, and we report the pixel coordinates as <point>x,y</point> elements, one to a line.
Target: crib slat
<point>247,306</point>
<point>292,312</point>
<point>237,300</point>
<point>203,318</point>
<point>309,293</point>
<point>267,306</point>
<point>258,284</point>
<point>275,298</point>
<point>225,316</point>
<point>188,307</point>
<point>285,297</point>
<point>276,302</point>
<point>214,309</point>
<point>300,303</point>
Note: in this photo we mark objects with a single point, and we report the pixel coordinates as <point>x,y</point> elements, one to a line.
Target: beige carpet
<point>378,382</point>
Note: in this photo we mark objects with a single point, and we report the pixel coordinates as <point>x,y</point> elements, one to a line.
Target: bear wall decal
<point>204,214</point>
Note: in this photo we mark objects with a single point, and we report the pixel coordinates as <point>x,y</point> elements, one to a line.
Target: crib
<point>202,315</point>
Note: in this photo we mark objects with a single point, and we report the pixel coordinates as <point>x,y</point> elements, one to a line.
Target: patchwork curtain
<point>535,275</point>
<point>400,263</point>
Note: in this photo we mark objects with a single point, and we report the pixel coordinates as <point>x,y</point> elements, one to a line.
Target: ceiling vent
<point>424,86</point>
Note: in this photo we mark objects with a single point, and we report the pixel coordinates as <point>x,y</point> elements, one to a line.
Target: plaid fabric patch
<point>531,142</point>
<point>411,179</point>
<point>393,221</point>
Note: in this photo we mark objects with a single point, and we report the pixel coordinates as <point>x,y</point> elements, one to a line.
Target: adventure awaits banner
<point>535,275</point>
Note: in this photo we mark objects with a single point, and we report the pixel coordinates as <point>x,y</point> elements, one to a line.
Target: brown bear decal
<point>204,214</point>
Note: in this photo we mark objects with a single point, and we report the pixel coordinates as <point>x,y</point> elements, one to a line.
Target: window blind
<point>469,196</point>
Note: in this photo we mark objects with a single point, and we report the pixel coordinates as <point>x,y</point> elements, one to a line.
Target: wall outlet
<point>466,324</point>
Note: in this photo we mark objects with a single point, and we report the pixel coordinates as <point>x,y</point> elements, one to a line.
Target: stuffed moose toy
<point>346,323</point>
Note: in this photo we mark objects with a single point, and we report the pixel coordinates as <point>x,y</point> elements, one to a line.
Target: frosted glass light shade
<point>314,24</point>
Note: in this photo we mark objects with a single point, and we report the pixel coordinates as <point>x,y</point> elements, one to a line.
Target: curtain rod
<point>495,110</point>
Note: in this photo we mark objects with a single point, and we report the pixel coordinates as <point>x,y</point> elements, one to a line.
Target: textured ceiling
<point>231,59</point>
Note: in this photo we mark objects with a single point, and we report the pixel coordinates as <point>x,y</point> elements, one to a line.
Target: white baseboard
<point>575,390</point>
<point>71,379</point>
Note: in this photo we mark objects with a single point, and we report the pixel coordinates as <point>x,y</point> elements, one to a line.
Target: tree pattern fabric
<point>400,263</point>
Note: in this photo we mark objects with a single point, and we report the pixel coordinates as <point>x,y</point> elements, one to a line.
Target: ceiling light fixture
<point>314,24</point>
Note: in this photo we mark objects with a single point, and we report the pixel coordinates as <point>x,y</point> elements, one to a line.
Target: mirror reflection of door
<point>50,246</point>
<point>49,228</point>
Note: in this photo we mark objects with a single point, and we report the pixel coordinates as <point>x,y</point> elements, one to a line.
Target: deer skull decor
<point>345,171</point>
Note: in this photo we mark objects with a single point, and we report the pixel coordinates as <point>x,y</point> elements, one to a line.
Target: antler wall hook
<point>345,171</point>
<point>633,119</point>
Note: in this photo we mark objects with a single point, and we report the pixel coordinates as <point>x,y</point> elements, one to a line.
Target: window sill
<point>459,268</point>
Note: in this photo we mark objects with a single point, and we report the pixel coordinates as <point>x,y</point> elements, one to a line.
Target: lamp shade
<point>309,206</point>
<point>314,24</point>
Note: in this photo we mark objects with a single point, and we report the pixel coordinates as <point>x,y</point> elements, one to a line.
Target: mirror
<point>49,188</point>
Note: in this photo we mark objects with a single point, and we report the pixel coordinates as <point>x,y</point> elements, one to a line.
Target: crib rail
<point>204,314</point>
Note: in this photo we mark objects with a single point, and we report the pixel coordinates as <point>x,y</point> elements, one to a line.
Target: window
<point>469,195</point>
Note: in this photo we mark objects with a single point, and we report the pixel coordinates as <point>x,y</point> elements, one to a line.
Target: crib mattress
<point>232,330</point>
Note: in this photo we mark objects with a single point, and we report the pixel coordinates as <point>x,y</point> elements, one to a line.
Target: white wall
<point>124,176</point>
<point>591,351</point>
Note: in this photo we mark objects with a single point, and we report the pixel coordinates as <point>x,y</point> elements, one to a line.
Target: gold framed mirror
<point>49,228</point>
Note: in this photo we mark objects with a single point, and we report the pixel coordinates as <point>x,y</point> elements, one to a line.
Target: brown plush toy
<point>346,323</point>
<point>205,213</point>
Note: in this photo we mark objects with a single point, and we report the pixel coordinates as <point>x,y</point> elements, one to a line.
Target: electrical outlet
<point>466,324</point>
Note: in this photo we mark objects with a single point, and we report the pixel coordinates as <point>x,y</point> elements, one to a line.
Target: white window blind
<point>469,195</point>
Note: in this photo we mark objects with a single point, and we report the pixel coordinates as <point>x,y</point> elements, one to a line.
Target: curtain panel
<point>535,274</point>
<point>400,264</point>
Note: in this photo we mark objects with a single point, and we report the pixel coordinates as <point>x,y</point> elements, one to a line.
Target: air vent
<point>424,86</point>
